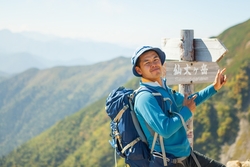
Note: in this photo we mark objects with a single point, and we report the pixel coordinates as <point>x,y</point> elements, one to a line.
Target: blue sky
<point>129,23</point>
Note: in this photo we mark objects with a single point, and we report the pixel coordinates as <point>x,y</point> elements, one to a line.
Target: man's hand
<point>220,79</point>
<point>190,102</point>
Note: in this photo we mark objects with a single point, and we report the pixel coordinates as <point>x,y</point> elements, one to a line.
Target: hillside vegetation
<point>82,138</point>
<point>32,101</point>
<point>78,140</point>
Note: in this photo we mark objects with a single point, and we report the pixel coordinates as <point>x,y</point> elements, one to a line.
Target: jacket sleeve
<point>147,107</point>
<point>202,95</point>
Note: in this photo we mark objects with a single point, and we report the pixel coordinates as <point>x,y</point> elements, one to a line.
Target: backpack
<point>127,137</point>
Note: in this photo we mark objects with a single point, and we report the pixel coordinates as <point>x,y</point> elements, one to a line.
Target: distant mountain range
<point>3,74</point>
<point>21,51</point>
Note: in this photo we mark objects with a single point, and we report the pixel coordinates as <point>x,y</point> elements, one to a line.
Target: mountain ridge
<point>53,51</point>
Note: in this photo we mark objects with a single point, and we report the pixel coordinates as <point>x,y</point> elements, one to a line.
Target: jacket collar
<point>150,83</point>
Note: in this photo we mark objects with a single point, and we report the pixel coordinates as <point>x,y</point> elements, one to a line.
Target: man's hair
<point>138,62</point>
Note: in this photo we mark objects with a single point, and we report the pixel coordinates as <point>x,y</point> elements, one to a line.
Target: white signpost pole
<point>187,54</point>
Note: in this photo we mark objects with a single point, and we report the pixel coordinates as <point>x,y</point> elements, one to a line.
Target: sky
<point>129,23</point>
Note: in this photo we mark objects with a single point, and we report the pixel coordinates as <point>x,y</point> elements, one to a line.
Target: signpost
<point>197,64</point>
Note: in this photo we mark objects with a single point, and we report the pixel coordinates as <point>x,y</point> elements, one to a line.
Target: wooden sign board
<point>209,50</point>
<point>171,47</point>
<point>206,50</point>
<point>177,72</point>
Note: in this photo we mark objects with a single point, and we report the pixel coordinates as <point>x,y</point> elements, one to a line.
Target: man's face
<point>150,66</point>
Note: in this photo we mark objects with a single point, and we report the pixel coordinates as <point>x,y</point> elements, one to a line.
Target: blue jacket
<point>169,126</point>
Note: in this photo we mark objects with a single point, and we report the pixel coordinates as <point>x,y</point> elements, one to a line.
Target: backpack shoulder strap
<point>158,97</point>
<point>155,93</point>
<point>161,103</point>
<point>135,120</point>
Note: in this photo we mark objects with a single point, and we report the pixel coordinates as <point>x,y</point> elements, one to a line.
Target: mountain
<point>41,51</point>
<point>32,101</point>
<point>221,123</point>
<point>78,140</point>
<point>3,76</point>
<point>237,39</point>
<point>19,62</point>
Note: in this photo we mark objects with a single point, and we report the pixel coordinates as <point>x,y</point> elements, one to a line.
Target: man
<point>147,63</point>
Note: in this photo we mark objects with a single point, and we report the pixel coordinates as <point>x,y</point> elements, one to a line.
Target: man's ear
<point>138,70</point>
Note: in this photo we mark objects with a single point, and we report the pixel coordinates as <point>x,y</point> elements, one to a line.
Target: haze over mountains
<point>21,51</point>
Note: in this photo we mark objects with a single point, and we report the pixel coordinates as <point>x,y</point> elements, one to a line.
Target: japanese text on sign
<point>189,70</point>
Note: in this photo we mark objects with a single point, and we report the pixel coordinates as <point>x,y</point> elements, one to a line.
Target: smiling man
<point>169,122</point>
